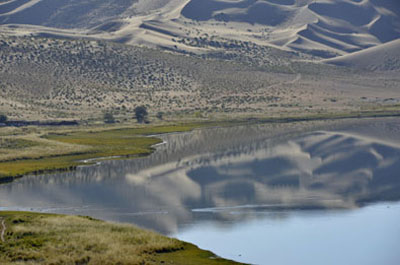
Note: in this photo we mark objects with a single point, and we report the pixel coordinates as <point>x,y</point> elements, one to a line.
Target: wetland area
<point>322,192</point>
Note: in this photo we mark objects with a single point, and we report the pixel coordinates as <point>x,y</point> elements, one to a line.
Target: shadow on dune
<point>64,13</point>
<point>249,11</point>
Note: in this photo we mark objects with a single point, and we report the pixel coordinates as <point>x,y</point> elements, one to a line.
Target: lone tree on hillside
<point>141,114</point>
<point>109,118</point>
<point>3,118</point>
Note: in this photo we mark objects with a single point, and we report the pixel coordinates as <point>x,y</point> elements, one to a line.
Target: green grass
<point>106,144</point>
<point>99,143</point>
<point>6,143</point>
<point>58,239</point>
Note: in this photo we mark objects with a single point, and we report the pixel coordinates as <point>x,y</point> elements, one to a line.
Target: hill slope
<point>46,78</point>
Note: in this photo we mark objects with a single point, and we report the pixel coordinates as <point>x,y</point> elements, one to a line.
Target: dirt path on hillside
<point>3,229</point>
<point>293,81</point>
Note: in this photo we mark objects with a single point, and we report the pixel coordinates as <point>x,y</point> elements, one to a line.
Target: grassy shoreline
<point>37,238</point>
<point>57,150</point>
<point>47,151</point>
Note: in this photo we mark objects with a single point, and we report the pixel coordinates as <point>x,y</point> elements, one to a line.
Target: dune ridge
<point>323,28</point>
<point>386,57</point>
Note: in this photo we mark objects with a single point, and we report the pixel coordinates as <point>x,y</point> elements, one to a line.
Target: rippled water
<point>272,194</point>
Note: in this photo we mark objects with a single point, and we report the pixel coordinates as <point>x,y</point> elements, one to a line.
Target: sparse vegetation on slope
<point>42,79</point>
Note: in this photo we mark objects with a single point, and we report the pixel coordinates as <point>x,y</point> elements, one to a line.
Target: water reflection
<point>226,175</point>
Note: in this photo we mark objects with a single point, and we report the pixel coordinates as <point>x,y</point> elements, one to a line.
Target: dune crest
<point>323,28</point>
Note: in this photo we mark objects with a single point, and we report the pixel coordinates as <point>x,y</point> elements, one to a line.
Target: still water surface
<point>272,194</point>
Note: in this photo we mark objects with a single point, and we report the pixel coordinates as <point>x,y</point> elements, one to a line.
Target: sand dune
<point>324,28</point>
<point>330,27</point>
<point>260,12</point>
<point>383,57</point>
<point>62,13</point>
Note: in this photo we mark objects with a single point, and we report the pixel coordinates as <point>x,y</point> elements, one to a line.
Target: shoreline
<point>87,152</point>
<point>42,238</point>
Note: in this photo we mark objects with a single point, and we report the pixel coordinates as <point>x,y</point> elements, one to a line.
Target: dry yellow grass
<point>33,238</point>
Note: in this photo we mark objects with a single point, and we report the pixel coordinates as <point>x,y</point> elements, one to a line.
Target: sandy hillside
<point>47,78</point>
<point>382,57</point>
<point>323,28</point>
<point>67,58</point>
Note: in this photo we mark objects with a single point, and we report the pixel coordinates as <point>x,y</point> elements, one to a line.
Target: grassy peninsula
<point>33,238</point>
<point>40,150</point>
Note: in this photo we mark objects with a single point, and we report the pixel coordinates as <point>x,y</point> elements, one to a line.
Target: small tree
<point>141,114</point>
<point>109,118</point>
<point>3,118</point>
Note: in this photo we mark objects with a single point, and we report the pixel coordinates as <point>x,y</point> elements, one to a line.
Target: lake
<point>298,193</point>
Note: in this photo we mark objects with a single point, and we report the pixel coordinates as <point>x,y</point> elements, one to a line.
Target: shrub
<point>141,114</point>
<point>3,118</point>
<point>108,118</point>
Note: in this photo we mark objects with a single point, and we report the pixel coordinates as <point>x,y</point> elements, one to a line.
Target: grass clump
<point>57,239</point>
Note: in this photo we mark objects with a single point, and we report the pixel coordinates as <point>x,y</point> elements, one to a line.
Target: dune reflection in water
<point>224,175</point>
